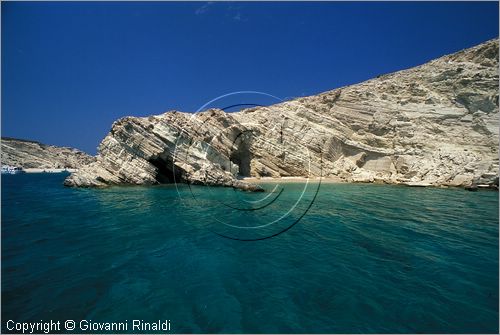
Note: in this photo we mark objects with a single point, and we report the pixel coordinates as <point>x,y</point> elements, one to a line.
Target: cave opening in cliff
<point>241,155</point>
<point>165,171</point>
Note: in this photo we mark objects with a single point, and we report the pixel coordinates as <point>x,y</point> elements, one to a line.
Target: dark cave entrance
<point>241,155</point>
<point>165,170</point>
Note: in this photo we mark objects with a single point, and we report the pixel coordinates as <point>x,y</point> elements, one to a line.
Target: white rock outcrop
<point>435,124</point>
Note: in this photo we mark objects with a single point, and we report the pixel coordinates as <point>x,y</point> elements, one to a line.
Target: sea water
<point>345,258</point>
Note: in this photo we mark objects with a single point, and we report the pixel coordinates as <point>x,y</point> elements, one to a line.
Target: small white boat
<point>7,169</point>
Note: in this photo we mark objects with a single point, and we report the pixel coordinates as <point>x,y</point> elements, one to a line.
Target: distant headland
<point>33,156</point>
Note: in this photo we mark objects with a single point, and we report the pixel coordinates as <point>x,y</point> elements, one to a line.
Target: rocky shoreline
<point>36,170</point>
<point>433,125</point>
<point>336,180</point>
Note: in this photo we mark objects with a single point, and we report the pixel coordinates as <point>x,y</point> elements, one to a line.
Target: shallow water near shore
<point>351,258</point>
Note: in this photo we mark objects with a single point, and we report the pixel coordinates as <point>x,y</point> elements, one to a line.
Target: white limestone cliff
<point>435,124</point>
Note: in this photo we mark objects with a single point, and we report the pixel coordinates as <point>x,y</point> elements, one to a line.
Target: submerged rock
<point>436,124</point>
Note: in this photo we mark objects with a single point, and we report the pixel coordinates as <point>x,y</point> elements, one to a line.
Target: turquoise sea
<point>356,258</point>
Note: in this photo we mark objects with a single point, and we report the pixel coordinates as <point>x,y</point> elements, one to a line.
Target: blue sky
<point>70,69</point>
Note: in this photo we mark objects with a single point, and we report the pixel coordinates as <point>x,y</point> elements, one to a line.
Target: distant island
<point>33,156</point>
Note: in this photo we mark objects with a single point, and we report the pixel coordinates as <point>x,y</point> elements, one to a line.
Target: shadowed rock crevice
<point>241,155</point>
<point>166,173</point>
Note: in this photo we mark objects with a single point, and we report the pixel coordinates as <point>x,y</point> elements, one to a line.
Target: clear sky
<point>70,69</point>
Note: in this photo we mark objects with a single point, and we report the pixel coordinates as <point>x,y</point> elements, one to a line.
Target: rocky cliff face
<point>435,124</point>
<point>31,154</point>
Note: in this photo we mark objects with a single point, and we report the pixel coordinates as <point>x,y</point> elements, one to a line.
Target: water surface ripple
<point>365,258</point>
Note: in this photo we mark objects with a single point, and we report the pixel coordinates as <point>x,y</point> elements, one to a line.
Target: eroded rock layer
<point>435,124</point>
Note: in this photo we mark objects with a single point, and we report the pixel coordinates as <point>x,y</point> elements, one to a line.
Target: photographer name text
<point>52,326</point>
